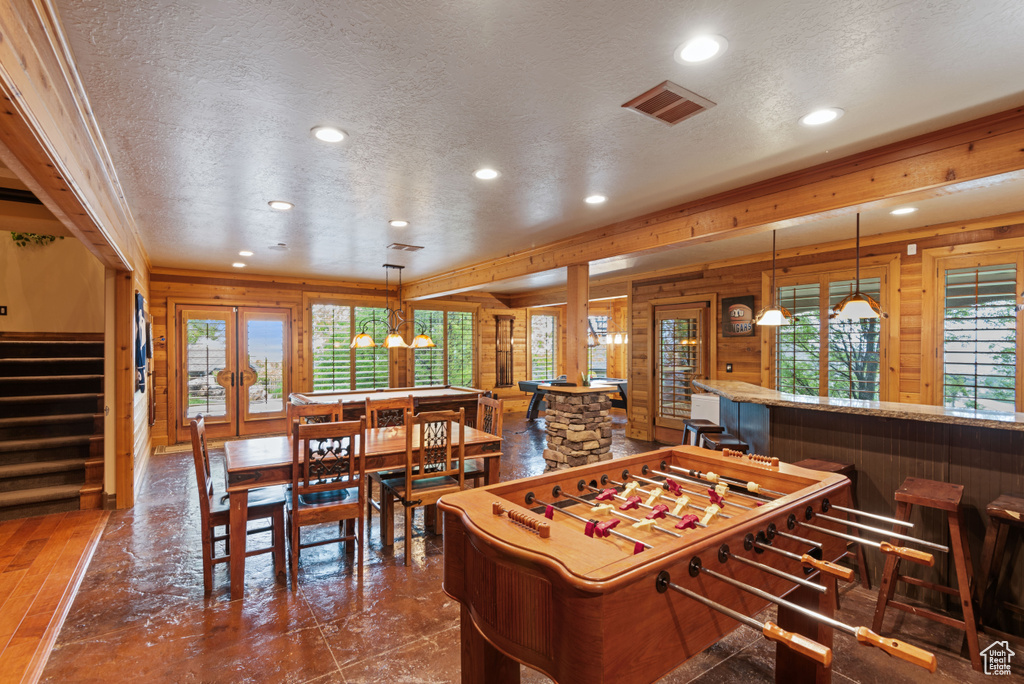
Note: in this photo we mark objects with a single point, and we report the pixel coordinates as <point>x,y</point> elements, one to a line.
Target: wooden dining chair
<point>313,413</point>
<point>265,502</point>
<point>328,470</point>
<point>489,420</point>
<point>381,413</point>
<point>434,466</point>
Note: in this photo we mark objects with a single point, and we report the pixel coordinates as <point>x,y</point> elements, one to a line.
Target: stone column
<point>579,426</point>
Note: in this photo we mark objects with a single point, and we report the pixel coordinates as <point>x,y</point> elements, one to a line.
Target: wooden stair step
<point>25,421</point>
<point>48,442</point>
<point>46,398</point>
<point>22,497</point>
<point>47,359</point>
<point>50,378</point>
<point>40,467</point>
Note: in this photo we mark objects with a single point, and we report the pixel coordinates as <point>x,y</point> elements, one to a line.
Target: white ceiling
<point>207,107</point>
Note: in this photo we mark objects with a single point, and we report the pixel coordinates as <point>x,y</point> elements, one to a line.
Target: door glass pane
<point>265,356</point>
<point>206,351</point>
<point>542,347</point>
<point>979,338</point>
<point>854,347</point>
<point>332,338</point>
<point>679,351</point>
<point>797,344</point>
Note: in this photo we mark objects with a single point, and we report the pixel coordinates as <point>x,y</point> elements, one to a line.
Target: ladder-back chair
<point>489,420</point>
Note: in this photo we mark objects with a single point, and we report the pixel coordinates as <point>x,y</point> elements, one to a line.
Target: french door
<point>233,368</point>
<point>680,355</point>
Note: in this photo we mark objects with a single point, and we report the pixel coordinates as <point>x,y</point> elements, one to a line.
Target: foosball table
<point>620,571</point>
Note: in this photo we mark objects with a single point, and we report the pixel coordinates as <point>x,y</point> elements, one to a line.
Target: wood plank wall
<point>744,278</point>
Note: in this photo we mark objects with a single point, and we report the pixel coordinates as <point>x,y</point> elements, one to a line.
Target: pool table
<point>429,398</point>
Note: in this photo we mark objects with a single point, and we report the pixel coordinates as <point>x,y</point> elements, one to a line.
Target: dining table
<point>267,461</point>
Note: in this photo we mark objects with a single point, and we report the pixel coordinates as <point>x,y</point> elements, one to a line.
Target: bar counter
<point>888,442</point>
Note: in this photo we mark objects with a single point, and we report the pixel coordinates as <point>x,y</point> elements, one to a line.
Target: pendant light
<point>857,306</point>
<point>774,315</point>
<point>393,320</point>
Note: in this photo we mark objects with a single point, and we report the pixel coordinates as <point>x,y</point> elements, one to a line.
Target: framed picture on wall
<point>738,316</point>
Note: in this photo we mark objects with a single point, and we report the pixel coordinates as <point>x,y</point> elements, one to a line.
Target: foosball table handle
<point>913,555</point>
<point>799,643</point>
<point>845,574</point>
<point>895,647</point>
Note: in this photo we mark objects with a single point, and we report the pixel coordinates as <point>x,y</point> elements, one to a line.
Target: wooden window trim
<point>311,298</point>
<point>934,263</point>
<point>474,309</point>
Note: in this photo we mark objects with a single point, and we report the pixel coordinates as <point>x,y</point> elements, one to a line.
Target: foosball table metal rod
<point>716,478</point>
<point>885,533</point>
<point>774,532</point>
<point>807,560</point>
<point>724,555</point>
<point>679,479</point>
<point>613,511</point>
<point>826,505</point>
<point>895,647</point>
<point>912,555</point>
<point>619,497</point>
<point>662,485</point>
<point>530,499</point>
<point>608,480</point>
<point>798,642</point>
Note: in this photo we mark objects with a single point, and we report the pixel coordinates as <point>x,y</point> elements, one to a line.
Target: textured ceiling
<point>207,107</point>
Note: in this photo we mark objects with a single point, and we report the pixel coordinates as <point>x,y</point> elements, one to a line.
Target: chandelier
<point>393,320</point>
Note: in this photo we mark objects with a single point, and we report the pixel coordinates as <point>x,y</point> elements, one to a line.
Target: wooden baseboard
<point>109,501</point>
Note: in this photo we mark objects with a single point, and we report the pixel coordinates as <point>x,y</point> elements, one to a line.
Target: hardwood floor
<point>42,562</point>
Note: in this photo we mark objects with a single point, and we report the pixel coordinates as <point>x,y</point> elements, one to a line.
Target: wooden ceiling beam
<point>970,151</point>
<point>556,296</point>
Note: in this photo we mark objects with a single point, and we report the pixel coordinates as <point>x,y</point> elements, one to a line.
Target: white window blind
<point>335,365</point>
<point>543,346</point>
<point>797,346</point>
<point>450,361</point>
<point>680,351</point>
<point>459,343</point>
<point>979,337</point>
<point>428,366</point>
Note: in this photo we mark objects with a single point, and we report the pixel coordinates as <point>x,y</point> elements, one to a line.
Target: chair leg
<point>369,499</point>
<point>387,517</point>
<point>892,565</point>
<point>208,561</point>
<point>293,545</point>
<point>988,556</point>
<point>350,532</point>
<point>279,553</point>
<point>408,533</point>
<point>964,575</point>
<point>359,541</point>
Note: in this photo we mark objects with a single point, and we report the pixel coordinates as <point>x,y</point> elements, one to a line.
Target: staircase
<point>51,426</point>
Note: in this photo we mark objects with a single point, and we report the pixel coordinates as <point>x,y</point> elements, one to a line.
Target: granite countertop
<point>754,394</point>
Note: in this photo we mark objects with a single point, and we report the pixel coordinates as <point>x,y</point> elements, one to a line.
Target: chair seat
<point>474,466</point>
<point>421,486</point>
<point>261,498</point>
<point>944,496</point>
<point>1008,508</point>
<point>333,497</point>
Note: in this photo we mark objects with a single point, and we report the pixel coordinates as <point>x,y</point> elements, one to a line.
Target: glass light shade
<point>618,338</point>
<point>773,316</point>
<point>394,341</point>
<point>422,341</point>
<point>856,307</point>
<point>362,340</point>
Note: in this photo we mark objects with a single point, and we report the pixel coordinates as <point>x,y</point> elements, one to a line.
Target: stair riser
<point>11,484</point>
<point>78,427</point>
<point>55,454</point>
<point>15,349</point>
<point>11,368</point>
<point>42,508</point>
<point>52,408</point>
<point>18,388</point>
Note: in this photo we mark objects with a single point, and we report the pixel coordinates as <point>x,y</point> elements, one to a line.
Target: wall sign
<point>738,316</point>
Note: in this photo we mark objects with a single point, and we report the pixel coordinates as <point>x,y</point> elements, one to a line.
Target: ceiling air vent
<point>669,103</point>
<point>404,248</point>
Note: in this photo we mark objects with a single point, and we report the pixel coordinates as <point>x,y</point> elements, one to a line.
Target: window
<point>543,346</point>
<point>818,356</point>
<point>979,347</point>
<point>335,365</point>
<point>680,356</point>
<point>597,357</point>
<point>450,361</point>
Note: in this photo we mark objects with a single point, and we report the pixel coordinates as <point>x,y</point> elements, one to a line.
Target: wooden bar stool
<point>943,496</point>
<point>1004,514</point>
<point>693,429</point>
<point>722,440</point>
<point>850,471</point>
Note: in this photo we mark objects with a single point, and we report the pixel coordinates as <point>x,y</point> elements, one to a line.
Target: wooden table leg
<point>790,666</point>
<point>492,470</point>
<point>481,662</point>
<point>239,517</point>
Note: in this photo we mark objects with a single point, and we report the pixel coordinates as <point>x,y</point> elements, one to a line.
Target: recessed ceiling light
<point>238,264</point>
<point>280,205</point>
<point>903,210</point>
<point>486,174</point>
<point>328,134</point>
<point>701,49</point>
<point>398,223</point>
<point>245,252</point>
<point>822,116</point>
<point>595,199</point>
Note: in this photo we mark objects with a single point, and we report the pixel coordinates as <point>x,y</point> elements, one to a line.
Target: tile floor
<point>140,614</point>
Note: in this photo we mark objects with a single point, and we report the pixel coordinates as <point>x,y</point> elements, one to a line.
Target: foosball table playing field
<point>622,570</point>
